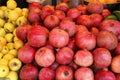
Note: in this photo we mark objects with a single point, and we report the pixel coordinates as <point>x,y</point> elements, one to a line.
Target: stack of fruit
<point>11,16</point>
<point>58,42</point>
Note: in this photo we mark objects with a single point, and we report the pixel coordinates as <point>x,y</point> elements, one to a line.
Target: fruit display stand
<point>59,40</point>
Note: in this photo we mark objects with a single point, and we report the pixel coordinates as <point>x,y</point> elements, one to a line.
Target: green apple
<point>11,4</point>
<point>5,50</point>
<point>4,62</point>
<point>8,56</point>
<point>15,64</point>
<point>9,37</point>
<point>3,40</point>
<point>21,20</point>
<point>2,22</point>
<point>2,32</point>
<point>13,52</point>
<point>4,70</point>
<point>9,27</point>
<point>12,75</point>
<point>10,45</point>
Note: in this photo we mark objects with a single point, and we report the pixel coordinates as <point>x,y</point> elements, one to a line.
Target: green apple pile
<point>11,17</point>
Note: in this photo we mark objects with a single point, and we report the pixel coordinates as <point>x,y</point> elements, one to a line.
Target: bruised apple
<point>64,73</point>
<point>44,57</point>
<point>58,38</point>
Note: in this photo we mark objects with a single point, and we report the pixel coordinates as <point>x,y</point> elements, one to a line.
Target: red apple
<point>102,57</point>
<point>97,19</point>
<point>117,49</point>
<point>22,31</point>
<point>85,40</point>
<point>51,21</point>
<point>83,58</point>
<point>104,75</point>
<point>84,73</point>
<point>37,36</point>
<point>117,76</point>
<point>68,26</point>
<point>58,38</point>
<point>62,6</point>
<point>105,13</point>
<point>46,10</point>
<point>26,54</point>
<point>44,57</point>
<point>115,64</point>
<point>64,55</point>
<point>34,5</point>
<point>73,13</point>
<point>64,73</point>
<point>46,74</point>
<point>81,28</point>
<point>60,14</point>
<point>85,20</point>
<point>95,31</point>
<point>28,72</point>
<point>82,9</point>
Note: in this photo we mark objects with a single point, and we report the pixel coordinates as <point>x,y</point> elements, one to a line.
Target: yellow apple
<point>9,37</point>
<point>8,56</point>
<point>13,75</point>
<point>2,22</point>
<point>18,44</point>
<point>3,8</point>
<point>5,50</point>
<point>10,45</point>
<point>13,15</point>
<point>21,20</point>
<point>2,32</point>
<point>1,14</point>
<point>16,38</point>
<point>15,64</point>
<point>9,27</point>
<point>19,11</point>
<point>4,70</point>
<point>3,40</point>
<point>14,32</point>
<point>25,12</point>
<point>1,46</point>
<point>1,55</point>
<point>4,62</point>
<point>11,4</point>
<point>13,52</point>
<point>6,12</point>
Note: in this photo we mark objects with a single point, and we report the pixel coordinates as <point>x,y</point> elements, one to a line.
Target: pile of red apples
<point>63,43</point>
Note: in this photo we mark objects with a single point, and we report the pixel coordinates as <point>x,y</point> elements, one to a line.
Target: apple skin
<point>26,54</point>
<point>44,57</point>
<point>104,75</point>
<point>64,73</point>
<point>28,72</point>
<point>84,73</point>
<point>22,30</point>
<point>46,74</point>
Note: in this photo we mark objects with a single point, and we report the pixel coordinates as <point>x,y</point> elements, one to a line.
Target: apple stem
<point>66,73</point>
